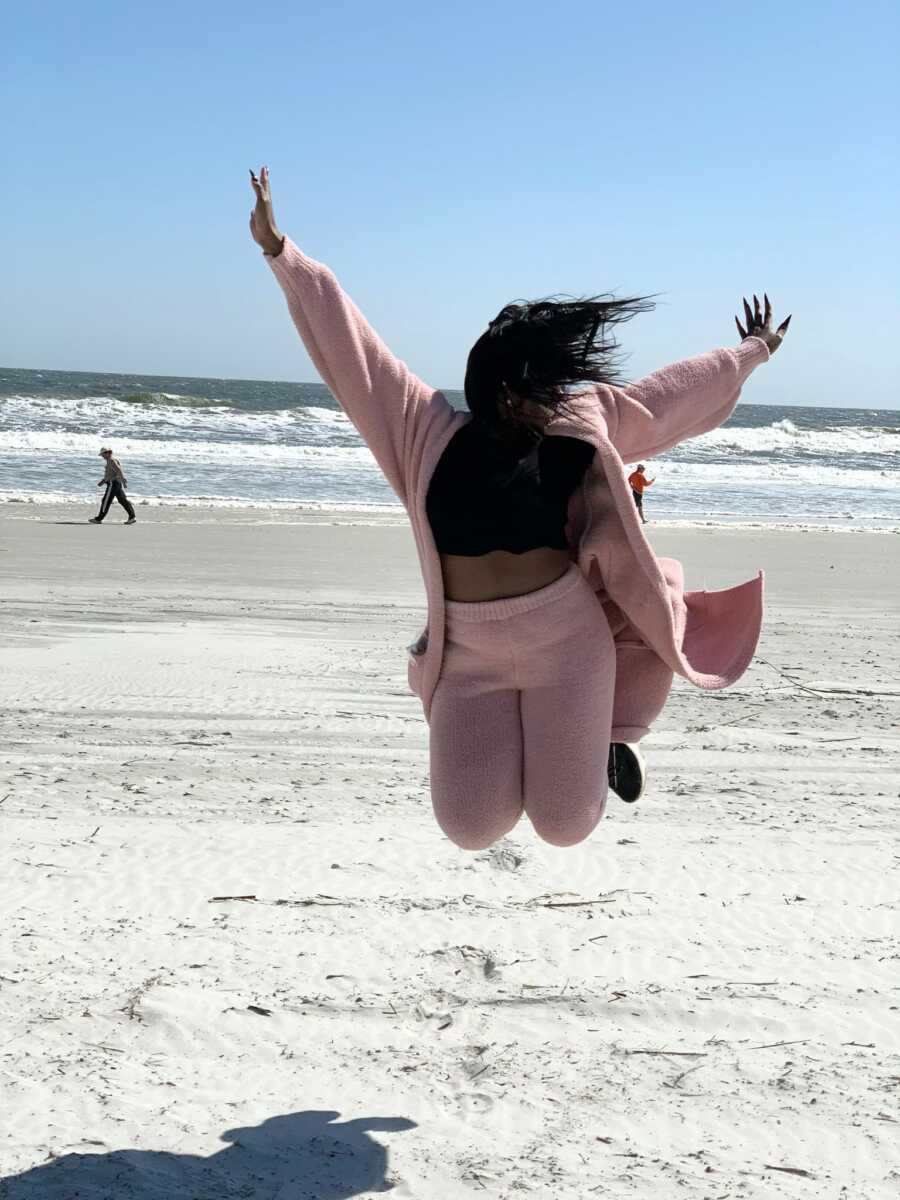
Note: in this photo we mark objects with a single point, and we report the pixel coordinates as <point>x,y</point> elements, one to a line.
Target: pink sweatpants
<point>521,716</point>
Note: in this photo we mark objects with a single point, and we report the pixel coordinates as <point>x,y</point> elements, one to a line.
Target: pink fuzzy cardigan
<point>707,637</point>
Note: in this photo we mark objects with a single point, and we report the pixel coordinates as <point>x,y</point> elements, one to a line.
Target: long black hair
<point>538,350</point>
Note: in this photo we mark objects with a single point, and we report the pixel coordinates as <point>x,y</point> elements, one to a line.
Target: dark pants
<point>639,502</point>
<point>114,491</point>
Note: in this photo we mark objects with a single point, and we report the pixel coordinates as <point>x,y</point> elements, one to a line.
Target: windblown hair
<point>539,350</point>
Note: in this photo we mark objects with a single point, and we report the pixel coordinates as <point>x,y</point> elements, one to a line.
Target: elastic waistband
<point>497,610</point>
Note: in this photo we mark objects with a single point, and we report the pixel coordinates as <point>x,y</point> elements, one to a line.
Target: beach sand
<point>239,959</point>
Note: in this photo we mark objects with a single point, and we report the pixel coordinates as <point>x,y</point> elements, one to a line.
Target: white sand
<point>202,707</point>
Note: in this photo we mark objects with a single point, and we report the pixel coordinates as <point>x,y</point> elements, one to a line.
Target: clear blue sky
<point>444,159</point>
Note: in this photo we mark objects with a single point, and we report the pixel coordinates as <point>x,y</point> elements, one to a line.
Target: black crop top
<point>485,496</point>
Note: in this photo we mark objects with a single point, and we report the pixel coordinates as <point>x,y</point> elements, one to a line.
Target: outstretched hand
<point>262,219</point>
<point>760,324</point>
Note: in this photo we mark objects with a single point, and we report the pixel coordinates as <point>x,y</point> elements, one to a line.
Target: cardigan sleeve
<point>378,392</point>
<point>680,401</point>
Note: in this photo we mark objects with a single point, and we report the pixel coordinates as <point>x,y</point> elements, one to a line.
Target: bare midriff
<point>500,574</point>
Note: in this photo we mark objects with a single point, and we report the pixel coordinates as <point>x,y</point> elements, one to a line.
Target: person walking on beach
<point>115,483</point>
<point>553,630</point>
<point>638,481</point>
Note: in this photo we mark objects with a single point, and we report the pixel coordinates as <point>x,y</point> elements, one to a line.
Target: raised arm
<point>690,397</point>
<point>379,393</point>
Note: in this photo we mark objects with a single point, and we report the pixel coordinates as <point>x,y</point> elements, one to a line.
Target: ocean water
<point>266,445</point>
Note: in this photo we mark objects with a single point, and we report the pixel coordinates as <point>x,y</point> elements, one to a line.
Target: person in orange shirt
<point>639,481</point>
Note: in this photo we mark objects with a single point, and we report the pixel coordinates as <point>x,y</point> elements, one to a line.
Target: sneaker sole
<point>629,773</point>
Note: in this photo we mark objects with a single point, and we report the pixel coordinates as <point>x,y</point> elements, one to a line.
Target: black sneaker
<point>130,521</point>
<point>626,771</point>
<point>94,521</point>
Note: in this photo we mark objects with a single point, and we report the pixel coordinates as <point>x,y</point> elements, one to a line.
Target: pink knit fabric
<point>707,637</point>
<point>521,716</point>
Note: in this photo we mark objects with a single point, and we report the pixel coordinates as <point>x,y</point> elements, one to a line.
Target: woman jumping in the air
<point>553,630</point>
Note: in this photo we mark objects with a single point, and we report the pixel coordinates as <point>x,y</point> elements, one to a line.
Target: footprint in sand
<point>503,856</point>
<point>478,963</point>
<point>472,1103</point>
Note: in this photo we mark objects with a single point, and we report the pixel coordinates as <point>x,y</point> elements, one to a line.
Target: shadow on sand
<point>298,1156</point>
